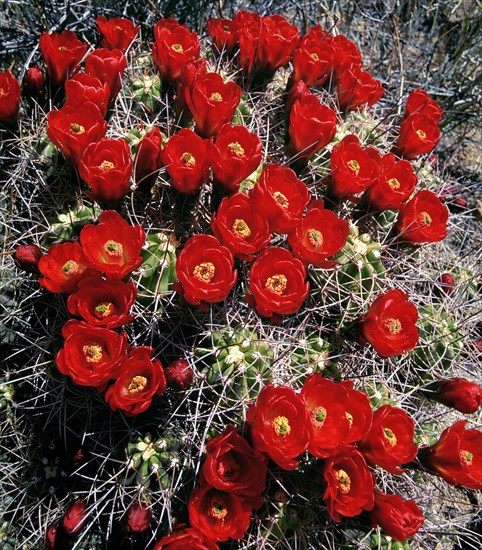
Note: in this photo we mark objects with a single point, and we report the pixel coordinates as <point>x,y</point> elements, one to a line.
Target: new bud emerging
<point>447,283</point>
<point>27,256</point>
<point>179,375</point>
<point>33,84</point>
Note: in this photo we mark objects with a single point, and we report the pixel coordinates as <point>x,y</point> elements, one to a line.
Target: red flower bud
<point>62,53</point>
<point>118,32</point>
<point>179,374</point>
<point>148,156</point>
<point>27,256</point>
<point>458,393</point>
<point>51,535</point>
<point>9,95</point>
<point>138,517</point>
<point>33,84</point>
<point>75,517</point>
<point>447,283</point>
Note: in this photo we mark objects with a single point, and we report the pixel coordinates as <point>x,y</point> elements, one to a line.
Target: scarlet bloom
<point>113,246</point>
<point>223,33</point>
<point>51,535</point>
<point>277,41</point>
<point>395,183</point>
<point>108,66</point>
<point>298,90</point>
<point>205,271</point>
<point>83,88</point>
<point>390,324</point>
<point>460,394</point>
<point>179,375</point>
<point>62,52</point>
<point>277,283</point>
<point>138,517</point>
<point>357,89</point>
<point>189,74</point>
<point>91,356</point>
<point>233,466</point>
<point>75,516</point>
<point>312,126</point>
<point>186,160</point>
<point>397,518</point>
<point>349,485</point>
<point>353,168</point>
<point>280,425</point>
<point>186,538</point>
<point>457,456</point>
<point>423,219</point>
<point>63,267</point>
<point>118,32</point>
<point>27,256</point>
<point>419,134</point>
<point>420,103</point>
<point>312,61</point>
<point>234,154</point>
<point>33,84</point>
<point>359,412</point>
<point>346,55</point>
<point>71,129</point>
<point>219,515</point>
<point>281,197</point>
<point>319,235</point>
<point>9,95</point>
<point>248,35</point>
<point>389,441</point>
<point>240,227</point>
<point>106,167</point>
<point>212,102</point>
<point>329,424</point>
<point>175,46</point>
<point>103,303</point>
<point>140,378</point>
<point>148,156</point>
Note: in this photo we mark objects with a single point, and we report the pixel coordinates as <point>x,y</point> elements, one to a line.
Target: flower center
<point>390,436</point>
<point>77,128</point>
<point>421,134</point>
<point>281,199</point>
<point>177,48</point>
<point>394,326</point>
<point>218,509</point>
<point>227,467</point>
<point>70,267</point>
<point>225,28</point>
<point>424,218</point>
<point>466,457</point>
<point>204,272</point>
<point>236,148</point>
<point>106,165</point>
<point>354,166</point>
<point>216,96</point>
<point>315,237</point>
<point>113,249</point>
<point>344,481</point>
<point>240,229</point>
<point>277,284</point>
<point>2,92</point>
<point>187,158</point>
<point>137,384</point>
<point>104,309</point>
<point>349,417</point>
<point>281,426</point>
<point>92,353</point>
<point>318,417</point>
<point>62,48</point>
<point>394,183</point>
<point>314,56</point>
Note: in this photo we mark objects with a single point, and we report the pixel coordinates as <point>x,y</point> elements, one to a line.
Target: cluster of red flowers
<point>92,273</point>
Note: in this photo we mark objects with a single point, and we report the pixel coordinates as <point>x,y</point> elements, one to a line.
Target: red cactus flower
<point>420,103</point>
<point>423,219</point>
<point>223,33</point>
<point>390,324</point>
<point>113,246</point>
<point>83,88</point>
<point>75,516</point>
<point>460,394</point>
<point>419,134</point>
<point>312,61</point>
<point>277,41</point>
<point>62,52</point>
<point>138,517</point>
<point>447,283</point>
<point>186,537</point>
<point>357,89</point>
<point>108,66</point>
<point>27,256</point>
<point>106,167</point>
<point>33,84</point>
<point>186,160</point>
<point>9,95</point>
<point>118,33</point>
<point>148,156</point>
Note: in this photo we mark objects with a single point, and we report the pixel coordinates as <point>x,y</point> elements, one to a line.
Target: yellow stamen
<point>106,165</point>
<point>77,128</point>
<point>71,267</point>
<point>62,48</point>
<point>2,92</point>
<point>315,238</point>
<point>318,417</point>
<point>393,325</point>
<point>187,158</point>
<point>281,426</point>
<point>466,457</point>
<point>113,249</point>
<point>354,166</point>
<point>277,284</point>
<point>424,218</point>
<point>421,134</point>
<point>177,48</point>
<point>281,199</point>
<point>204,272</point>
<point>349,417</point>
<point>137,384</point>
<point>236,148</point>
<point>104,309</point>
<point>218,510</point>
<point>390,437</point>
<point>394,183</point>
<point>93,353</point>
<point>216,96</point>
<point>240,229</point>
<point>314,56</point>
<point>344,481</point>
